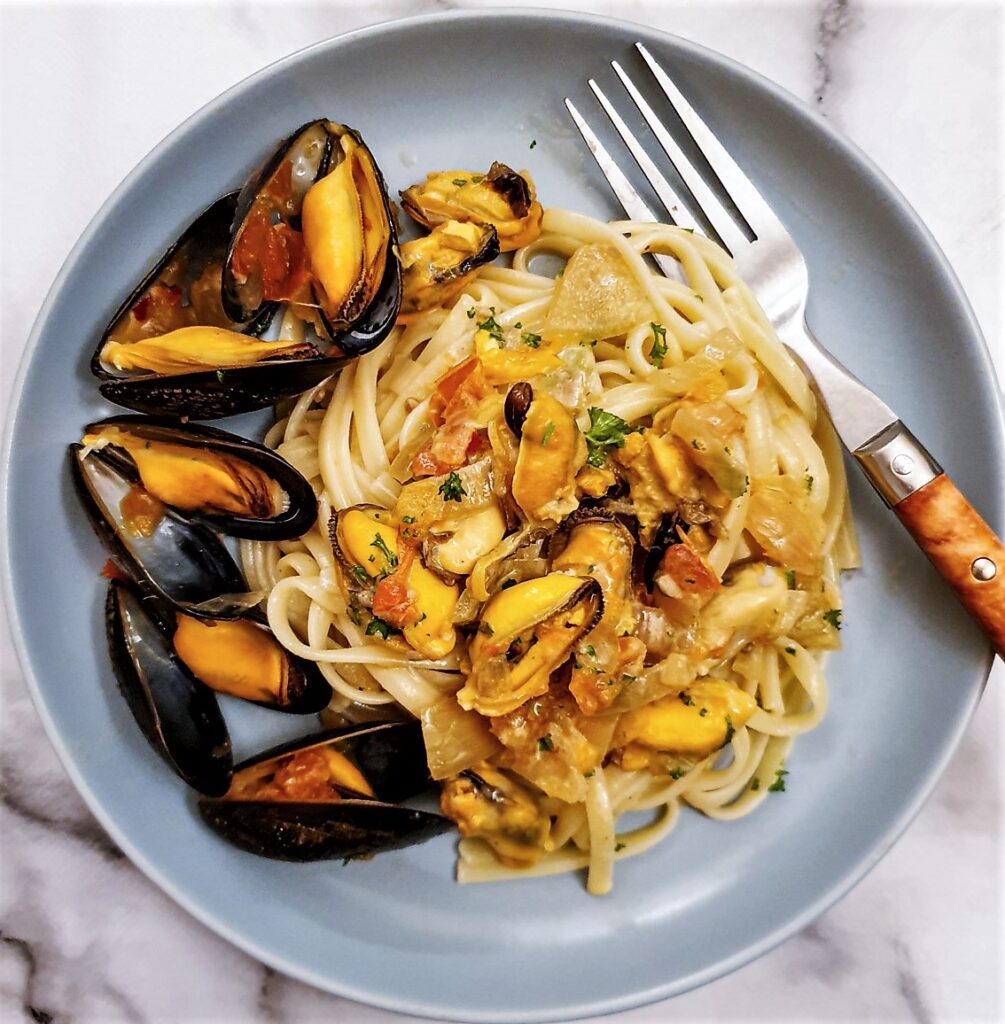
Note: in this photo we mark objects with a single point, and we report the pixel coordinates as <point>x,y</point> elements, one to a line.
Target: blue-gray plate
<point>462,90</point>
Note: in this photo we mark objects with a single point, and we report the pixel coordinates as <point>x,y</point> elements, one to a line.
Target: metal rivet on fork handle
<point>983,569</point>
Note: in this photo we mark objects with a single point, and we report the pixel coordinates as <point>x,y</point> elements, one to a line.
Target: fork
<point>962,547</point>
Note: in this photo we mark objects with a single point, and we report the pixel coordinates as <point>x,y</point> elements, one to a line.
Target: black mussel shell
<point>178,715</point>
<point>304,832</point>
<point>183,563</point>
<point>213,394</point>
<point>517,405</point>
<point>294,520</point>
<point>309,148</point>
<point>204,241</point>
<point>667,534</point>
<point>391,757</point>
<point>377,320</point>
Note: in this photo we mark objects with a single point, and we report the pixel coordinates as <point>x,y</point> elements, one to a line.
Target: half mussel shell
<point>182,290</point>
<point>173,559</point>
<point>329,795</point>
<point>203,474</point>
<point>179,717</point>
<point>314,228</point>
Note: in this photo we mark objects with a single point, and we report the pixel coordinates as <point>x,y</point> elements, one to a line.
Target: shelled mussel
<point>312,229</point>
<point>334,794</point>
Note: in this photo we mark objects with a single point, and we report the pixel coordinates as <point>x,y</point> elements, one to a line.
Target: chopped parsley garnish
<point>390,558</point>
<point>452,489</point>
<point>489,324</point>
<point>408,519</point>
<point>459,182</point>
<point>354,615</point>
<point>697,445</point>
<point>518,325</point>
<point>471,313</point>
<point>590,650</point>
<point>833,617</point>
<point>703,712</point>
<point>808,480</point>
<point>533,143</point>
<point>755,785</point>
<point>589,774</point>
<point>686,698</point>
<point>378,627</point>
<point>486,630</point>
<point>698,297</point>
<point>530,339</point>
<point>677,773</point>
<point>730,731</point>
<point>778,786</point>
<point>546,742</point>
<point>619,847</point>
<point>549,429</point>
<point>659,349</point>
<point>606,431</point>
<point>790,578</point>
<point>790,650</point>
<point>476,178</point>
<point>360,573</point>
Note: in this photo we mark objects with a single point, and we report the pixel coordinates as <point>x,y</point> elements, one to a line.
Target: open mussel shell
<point>242,658</point>
<point>182,289</point>
<point>242,488</point>
<point>179,717</point>
<point>178,561</point>
<point>213,394</point>
<point>271,218</point>
<point>329,795</point>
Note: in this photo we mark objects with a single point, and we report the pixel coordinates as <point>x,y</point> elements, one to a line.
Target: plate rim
<point>852,874</point>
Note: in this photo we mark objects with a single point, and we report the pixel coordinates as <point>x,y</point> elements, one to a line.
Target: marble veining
<point>84,937</point>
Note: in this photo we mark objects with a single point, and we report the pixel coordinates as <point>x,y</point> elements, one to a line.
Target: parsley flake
<point>790,650</point>
<point>390,558</point>
<point>755,785</point>
<point>677,773</point>
<point>730,731</point>
<point>471,313</point>
<point>833,617</point>
<point>460,182</point>
<point>546,742</point>
<point>549,429</point>
<point>619,847</point>
<point>686,699</point>
<point>531,339</point>
<point>533,143</point>
<point>808,480</point>
<point>606,431</point>
<point>659,349</point>
<point>589,774</point>
<point>590,650</point>
<point>360,573</point>
<point>790,578</point>
<point>378,627</point>
<point>778,786</point>
<point>452,489</point>
<point>489,324</point>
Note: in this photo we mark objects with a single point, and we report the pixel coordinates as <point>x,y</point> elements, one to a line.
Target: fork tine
<point>668,197</point>
<point>719,217</point>
<point>754,210</point>
<point>631,202</point>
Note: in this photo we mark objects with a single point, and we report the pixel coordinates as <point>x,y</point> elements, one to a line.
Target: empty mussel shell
<point>167,557</point>
<point>182,290</point>
<point>179,717</point>
<point>235,485</point>
<point>329,795</point>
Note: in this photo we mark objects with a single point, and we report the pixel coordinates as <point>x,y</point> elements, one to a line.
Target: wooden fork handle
<point>964,549</point>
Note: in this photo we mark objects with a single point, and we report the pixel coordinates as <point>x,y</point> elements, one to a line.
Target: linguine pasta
<point>725,653</point>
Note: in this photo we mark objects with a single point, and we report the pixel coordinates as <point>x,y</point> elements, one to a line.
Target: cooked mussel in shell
<point>525,633</point>
<point>168,557</point>
<point>182,291</point>
<point>330,795</point>
<point>179,717</point>
<point>237,486</point>
<point>502,198</point>
<point>242,658</point>
<point>437,267</point>
<point>314,228</point>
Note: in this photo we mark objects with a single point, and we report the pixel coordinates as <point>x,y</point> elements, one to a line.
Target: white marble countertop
<point>86,91</point>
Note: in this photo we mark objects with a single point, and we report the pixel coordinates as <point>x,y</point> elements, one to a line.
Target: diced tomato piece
<point>392,600</point>
<point>688,570</point>
<point>110,571</point>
